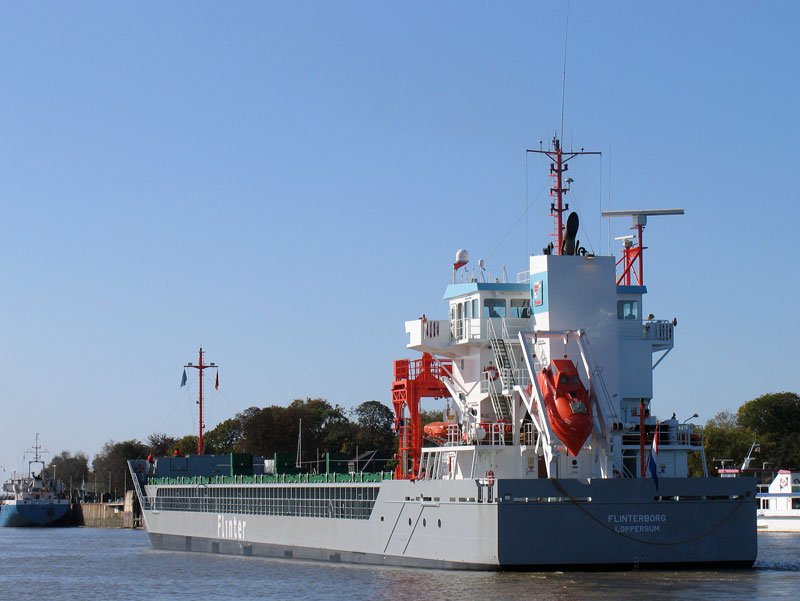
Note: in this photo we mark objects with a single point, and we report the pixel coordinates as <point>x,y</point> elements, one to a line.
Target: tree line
<point>772,421</point>
<point>326,428</point>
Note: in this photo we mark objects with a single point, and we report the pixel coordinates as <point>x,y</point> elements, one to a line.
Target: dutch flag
<point>652,461</point>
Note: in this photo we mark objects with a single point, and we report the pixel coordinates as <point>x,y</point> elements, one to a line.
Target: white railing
<point>661,330</point>
<point>528,437</point>
<point>453,435</point>
<point>464,329</point>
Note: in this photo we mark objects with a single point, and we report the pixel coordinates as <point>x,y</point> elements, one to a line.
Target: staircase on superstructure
<point>505,360</point>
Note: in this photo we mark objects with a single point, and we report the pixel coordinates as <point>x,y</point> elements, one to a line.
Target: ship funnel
<point>570,233</point>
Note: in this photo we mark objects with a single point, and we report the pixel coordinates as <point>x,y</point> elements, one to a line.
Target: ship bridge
<point>477,311</point>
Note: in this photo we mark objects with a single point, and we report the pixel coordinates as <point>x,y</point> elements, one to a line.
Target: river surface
<point>95,563</point>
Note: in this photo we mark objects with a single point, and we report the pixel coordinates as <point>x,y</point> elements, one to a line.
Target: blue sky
<point>285,183</point>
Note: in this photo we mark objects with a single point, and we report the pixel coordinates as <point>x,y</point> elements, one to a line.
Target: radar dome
<point>462,256</point>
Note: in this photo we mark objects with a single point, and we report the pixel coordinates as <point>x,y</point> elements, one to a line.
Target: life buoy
<point>490,373</point>
<point>784,481</point>
<point>490,478</point>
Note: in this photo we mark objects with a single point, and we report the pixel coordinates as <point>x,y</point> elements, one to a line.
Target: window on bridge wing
<point>628,309</point>
<point>494,307</point>
<point>520,307</point>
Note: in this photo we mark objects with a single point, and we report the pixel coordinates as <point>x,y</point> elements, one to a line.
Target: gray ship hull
<point>525,524</point>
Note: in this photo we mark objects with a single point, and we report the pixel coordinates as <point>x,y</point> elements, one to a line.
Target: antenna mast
<point>631,254</point>
<point>200,367</point>
<point>37,456</point>
<point>558,166</point>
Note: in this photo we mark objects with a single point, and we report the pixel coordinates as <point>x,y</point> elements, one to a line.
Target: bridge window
<point>520,307</point>
<point>628,309</point>
<point>494,307</point>
<point>475,312</point>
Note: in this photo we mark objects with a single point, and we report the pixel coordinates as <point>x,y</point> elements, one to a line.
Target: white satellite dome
<point>462,256</point>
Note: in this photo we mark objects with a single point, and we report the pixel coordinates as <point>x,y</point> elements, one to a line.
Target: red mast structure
<point>634,253</point>
<point>558,166</point>
<point>200,367</point>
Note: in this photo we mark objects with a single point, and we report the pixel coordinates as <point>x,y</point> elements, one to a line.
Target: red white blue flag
<point>652,461</point>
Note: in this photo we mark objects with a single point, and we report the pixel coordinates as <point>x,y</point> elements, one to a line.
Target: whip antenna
<point>564,72</point>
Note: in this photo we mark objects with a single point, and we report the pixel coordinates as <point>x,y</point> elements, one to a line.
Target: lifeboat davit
<point>567,403</point>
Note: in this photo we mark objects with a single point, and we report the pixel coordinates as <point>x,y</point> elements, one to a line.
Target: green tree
<point>110,466</point>
<point>431,416</point>
<point>71,469</point>
<point>774,419</point>
<point>226,437</point>
<point>374,423</point>
<point>160,444</point>
<point>725,439</point>
<point>186,445</point>
<point>267,430</point>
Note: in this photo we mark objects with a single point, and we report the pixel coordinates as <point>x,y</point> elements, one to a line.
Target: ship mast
<point>200,367</point>
<point>558,166</point>
<point>37,457</point>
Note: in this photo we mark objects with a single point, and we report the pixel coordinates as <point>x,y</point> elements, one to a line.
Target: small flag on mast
<point>652,461</point>
<point>216,382</point>
<point>183,379</point>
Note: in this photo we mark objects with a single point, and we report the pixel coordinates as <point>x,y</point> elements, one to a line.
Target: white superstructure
<point>779,504</point>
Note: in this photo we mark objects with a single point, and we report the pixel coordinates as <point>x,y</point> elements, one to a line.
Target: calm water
<point>88,563</point>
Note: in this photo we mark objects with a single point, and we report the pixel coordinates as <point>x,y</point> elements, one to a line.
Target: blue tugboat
<point>34,500</point>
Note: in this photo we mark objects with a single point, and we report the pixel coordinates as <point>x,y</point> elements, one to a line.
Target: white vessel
<point>779,503</point>
<point>539,463</point>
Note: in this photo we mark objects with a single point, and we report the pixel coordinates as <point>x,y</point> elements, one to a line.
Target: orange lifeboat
<point>567,403</point>
<point>436,430</point>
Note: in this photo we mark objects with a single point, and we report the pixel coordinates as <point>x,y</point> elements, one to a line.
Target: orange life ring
<point>490,373</point>
<point>490,478</point>
<point>784,481</point>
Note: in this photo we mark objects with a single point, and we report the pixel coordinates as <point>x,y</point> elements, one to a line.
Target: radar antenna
<point>631,254</point>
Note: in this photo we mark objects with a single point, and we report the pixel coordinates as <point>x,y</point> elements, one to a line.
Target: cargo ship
<point>548,456</point>
<point>35,499</point>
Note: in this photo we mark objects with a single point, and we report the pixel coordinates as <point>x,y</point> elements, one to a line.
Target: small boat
<point>779,503</point>
<point>33,500</point>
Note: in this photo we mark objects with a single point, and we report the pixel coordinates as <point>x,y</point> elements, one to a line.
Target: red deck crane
<point>414,380</point>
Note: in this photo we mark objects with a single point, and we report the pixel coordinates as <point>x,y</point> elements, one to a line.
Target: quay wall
<point>124,514</point>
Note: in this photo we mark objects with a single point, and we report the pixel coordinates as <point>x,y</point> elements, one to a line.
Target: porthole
<point>424,522</point>
<point>440,523</point>
<point>409,521</point>
<point>381,518</point>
